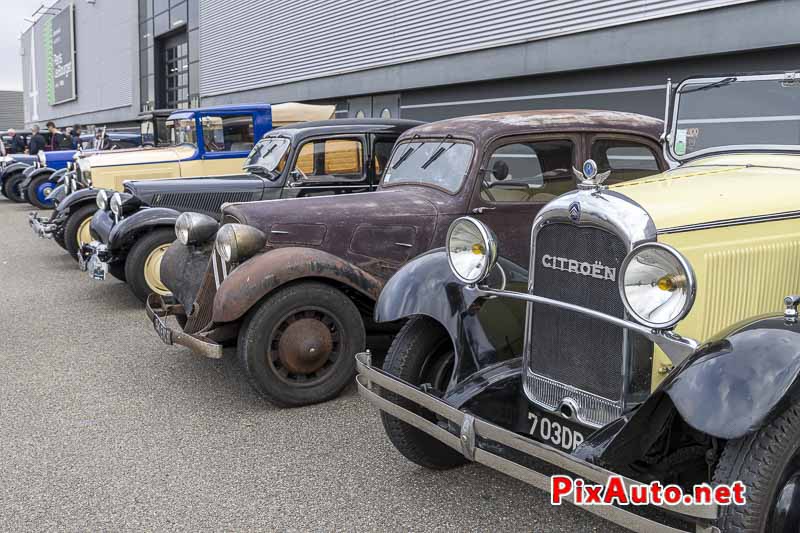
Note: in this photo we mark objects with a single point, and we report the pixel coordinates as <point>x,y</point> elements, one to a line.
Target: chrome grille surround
<point>625,219</point>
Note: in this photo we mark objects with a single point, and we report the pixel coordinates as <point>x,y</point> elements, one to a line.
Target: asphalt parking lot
<point>103,427</point>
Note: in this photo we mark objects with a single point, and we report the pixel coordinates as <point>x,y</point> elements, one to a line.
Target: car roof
<point>482,129</point>
<point>344,126</point>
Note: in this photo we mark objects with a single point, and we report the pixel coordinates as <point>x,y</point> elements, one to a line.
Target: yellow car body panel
<point>736,219</point>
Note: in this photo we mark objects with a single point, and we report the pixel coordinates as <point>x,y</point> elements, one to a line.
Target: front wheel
<point>421,353</point>
<point>14,190</point>
<point>38,190</point>
<point>768,463</point>
<point>143,264</point>
<point>76,229</point>
<point>298,345</point>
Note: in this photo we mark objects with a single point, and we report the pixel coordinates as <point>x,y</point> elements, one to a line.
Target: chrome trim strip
<point>676,347</point>
<point>786,215</point>
<point>369,376</point>
<point>403,244</point>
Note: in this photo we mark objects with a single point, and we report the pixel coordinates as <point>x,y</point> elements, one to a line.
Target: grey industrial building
<point>414,58</point>
<point>11,110</point>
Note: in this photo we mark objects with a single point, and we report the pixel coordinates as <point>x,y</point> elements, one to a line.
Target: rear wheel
<point>143,264</point>
<point>298,345</point>
<point>421,353</point>
<point>14,190</point>
<point>38,190</point>
<point>768,463</point>
<point>76,229</point>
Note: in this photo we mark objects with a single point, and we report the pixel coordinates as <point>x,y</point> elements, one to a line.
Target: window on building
<point>529,172</point>
<point>626,160</point>
<point>331,159</point>
<point>229,133</point>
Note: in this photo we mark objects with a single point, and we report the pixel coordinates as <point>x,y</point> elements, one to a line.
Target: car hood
<point>718,188</point>
<point>140,156</point>
<point>385,206</point>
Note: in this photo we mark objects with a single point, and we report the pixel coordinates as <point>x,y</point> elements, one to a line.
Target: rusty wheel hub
<point>305,346</point>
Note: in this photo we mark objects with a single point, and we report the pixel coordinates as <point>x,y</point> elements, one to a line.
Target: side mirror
<point>296,175</point>
<point>500,170</point>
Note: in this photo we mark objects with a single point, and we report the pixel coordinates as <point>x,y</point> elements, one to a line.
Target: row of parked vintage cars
<point>596,290</point>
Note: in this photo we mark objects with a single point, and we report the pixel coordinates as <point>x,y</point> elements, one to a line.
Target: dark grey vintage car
<point>133,229</point>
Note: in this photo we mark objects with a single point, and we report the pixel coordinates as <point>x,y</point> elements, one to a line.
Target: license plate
<point>555,431</point>
<point>162,330</point>
<point>97,268</point>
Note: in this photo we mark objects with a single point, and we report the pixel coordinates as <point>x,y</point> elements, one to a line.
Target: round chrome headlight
<point>657,285</point>
<point>42,158</point>
<point>471,249</point>
<point>116,204</point>
<point>236,242</point>
<point>102,199</point>
<point>191,228</point>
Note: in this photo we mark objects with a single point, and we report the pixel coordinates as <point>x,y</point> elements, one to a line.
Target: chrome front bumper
<point>473,430</point>
<point>93,258</point>
<point>158,308</point>
<point>45,228</point>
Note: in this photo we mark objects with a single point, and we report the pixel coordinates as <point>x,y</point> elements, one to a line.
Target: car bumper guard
<point>158,308</point>
<point>94,259</point>
<point>44,227</point>
<point>474,429</point>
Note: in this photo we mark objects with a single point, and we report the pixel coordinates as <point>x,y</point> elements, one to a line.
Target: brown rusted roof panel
<point>483,128</point>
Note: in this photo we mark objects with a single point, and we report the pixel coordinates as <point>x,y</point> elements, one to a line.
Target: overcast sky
<point>12,24</point>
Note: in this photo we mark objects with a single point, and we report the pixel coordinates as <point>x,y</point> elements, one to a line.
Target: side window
<point>380,158</point>
<point>331,159</point>
<point>627,160</point>
<point>529,172</point>
<point>228,133</point>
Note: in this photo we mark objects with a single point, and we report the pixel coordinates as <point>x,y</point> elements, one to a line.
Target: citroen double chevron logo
<point>575,211</point>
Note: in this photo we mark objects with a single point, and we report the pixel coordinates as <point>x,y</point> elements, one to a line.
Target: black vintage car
<point>133,229</point>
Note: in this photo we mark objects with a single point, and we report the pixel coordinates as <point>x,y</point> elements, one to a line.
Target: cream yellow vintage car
<point>652,339</point>
<point>208,141</point>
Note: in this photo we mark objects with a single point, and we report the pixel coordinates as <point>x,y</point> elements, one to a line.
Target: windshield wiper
<point>436,155</point>
<point>714,85</point>
<point>405,156</point>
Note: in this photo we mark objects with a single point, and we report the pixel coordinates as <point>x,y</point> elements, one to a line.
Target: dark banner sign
<point>59,48</point>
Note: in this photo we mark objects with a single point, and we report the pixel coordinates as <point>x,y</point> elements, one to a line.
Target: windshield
<point>182,131</point>
<point>744,112</point>
<point>268,155</point>
<point>440,163</point>
<point>155,132</point>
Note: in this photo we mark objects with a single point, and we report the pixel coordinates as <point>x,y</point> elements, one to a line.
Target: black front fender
<point>131,227</point>
<point>76,199</point>
<point>35,173</point>
<point>13,168</point>
<point>484,331</point>
<point>736,381</point>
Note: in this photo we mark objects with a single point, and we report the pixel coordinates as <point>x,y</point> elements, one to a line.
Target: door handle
<point>480,210</point>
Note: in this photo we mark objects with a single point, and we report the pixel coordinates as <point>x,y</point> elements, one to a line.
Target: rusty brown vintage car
<point>294,282</point>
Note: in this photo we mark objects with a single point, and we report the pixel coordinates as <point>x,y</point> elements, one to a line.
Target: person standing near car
<point>76,136</point>
<point>17,143</point>
<point>37,142</point>
<point>56,137</point>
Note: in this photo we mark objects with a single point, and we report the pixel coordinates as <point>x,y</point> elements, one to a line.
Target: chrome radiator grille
<point>208,203</point>
<point>571,355</point>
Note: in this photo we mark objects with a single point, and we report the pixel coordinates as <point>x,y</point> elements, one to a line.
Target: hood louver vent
<point>208,203</point>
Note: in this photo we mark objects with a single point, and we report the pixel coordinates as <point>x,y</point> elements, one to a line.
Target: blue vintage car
<point>32,178</point>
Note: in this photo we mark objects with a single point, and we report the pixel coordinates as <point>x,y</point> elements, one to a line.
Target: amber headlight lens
<point>237,242</point>
<point>192,228</point>
<point>471,249</point>
<point>102,200</point>
<point>657,285</point>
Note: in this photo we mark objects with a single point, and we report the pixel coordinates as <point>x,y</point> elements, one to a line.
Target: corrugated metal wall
<point>11,115</point>
<point>107,56</point>
<point>247,44</point>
